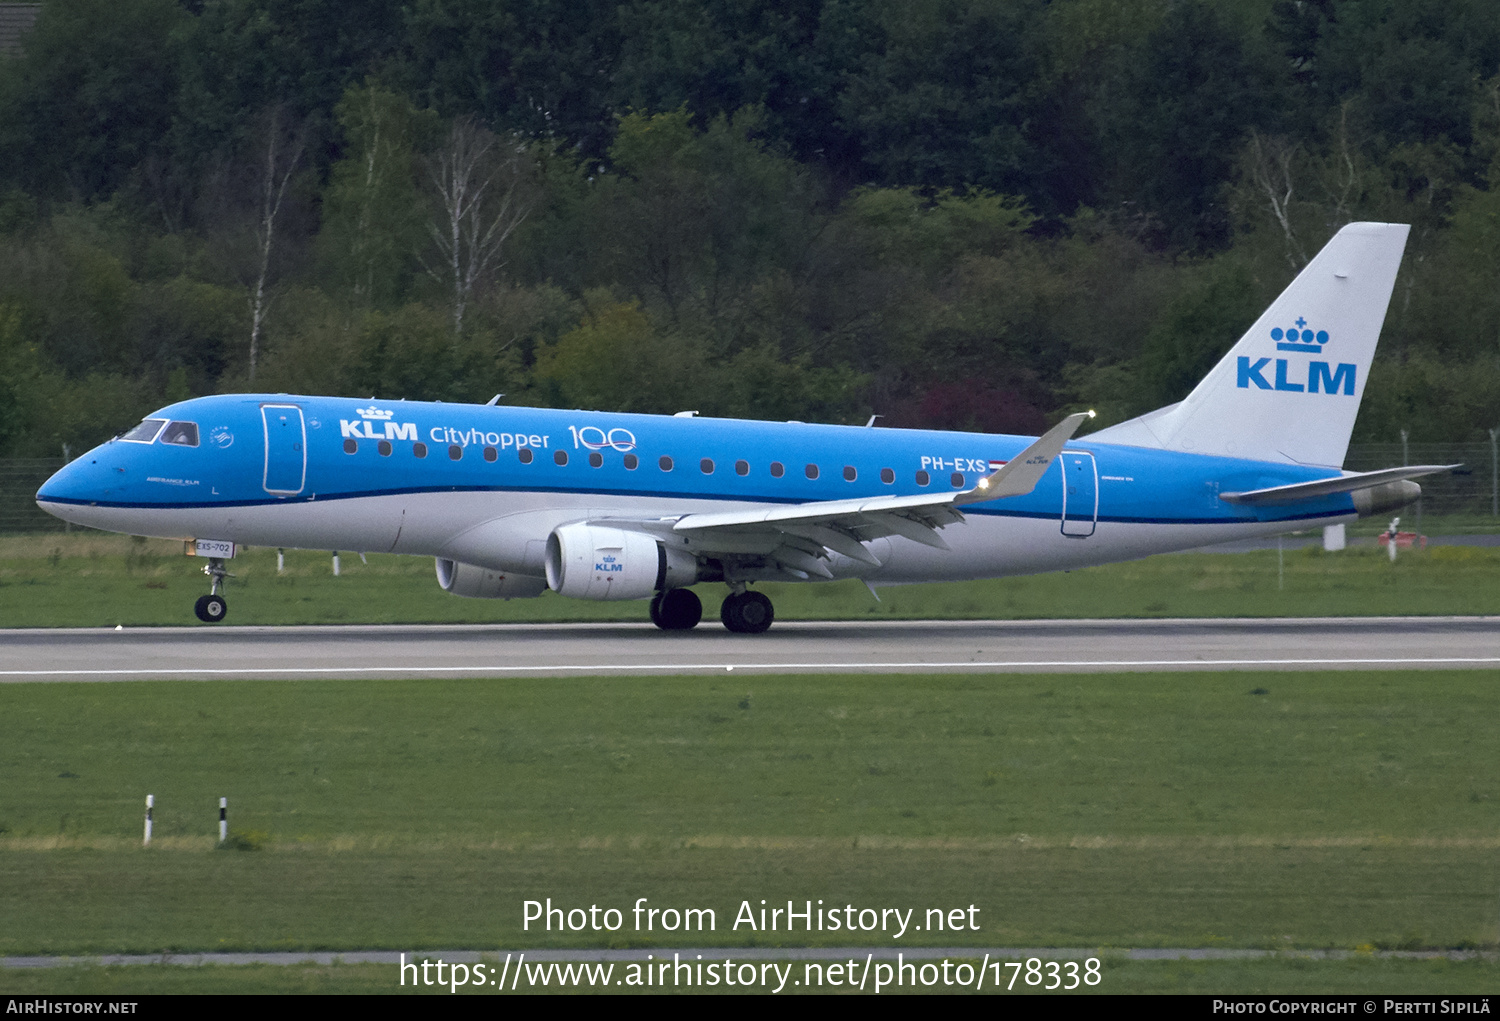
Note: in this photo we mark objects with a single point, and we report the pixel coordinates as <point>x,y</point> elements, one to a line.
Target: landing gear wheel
<point>747,613</point>
<point>678,609</point>
<point>211,609</point>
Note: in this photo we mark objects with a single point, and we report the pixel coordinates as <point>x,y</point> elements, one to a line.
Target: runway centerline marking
<point>605,668</point>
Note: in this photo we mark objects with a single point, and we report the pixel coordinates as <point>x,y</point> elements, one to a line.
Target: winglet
<point>1021,473</point>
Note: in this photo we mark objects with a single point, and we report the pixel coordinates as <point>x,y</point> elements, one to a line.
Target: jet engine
<point>483,583</point>
<point>594,562</point>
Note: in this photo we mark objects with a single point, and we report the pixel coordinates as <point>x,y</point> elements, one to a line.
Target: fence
<point>1469,489</point>
<point>20,478</point>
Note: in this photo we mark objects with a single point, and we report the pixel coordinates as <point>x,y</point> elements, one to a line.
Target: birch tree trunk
<point>282,152</point>
<point>485,189</point>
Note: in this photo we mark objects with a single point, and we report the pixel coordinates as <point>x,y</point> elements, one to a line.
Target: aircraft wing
<point>798,537</point>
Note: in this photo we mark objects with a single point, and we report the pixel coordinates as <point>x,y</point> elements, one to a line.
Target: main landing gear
<point>212,608</point>
<point>677,609</point>
<point>744,612</point>
<point>747,613</point>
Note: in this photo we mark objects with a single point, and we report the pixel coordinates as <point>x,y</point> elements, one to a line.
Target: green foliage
<point>1432,397</point>
<point>1190,97</point>
<point>102,99</point>
<point>696,217</point>
<point>618,360</point>
<point>962,213</point>
<point>373,216</point>
<point>903,225</point>
<point>939,95</point>
<point>1195,330</point>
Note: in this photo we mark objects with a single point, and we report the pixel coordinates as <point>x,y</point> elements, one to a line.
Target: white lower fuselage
<point>508,532</point>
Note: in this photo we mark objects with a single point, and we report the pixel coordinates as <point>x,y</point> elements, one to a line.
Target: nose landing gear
<point>213,608</point>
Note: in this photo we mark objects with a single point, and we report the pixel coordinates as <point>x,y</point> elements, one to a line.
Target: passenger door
<point>286,449</point>
<point>1080,493</point>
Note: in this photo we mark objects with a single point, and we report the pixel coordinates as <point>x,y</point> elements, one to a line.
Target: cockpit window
<point>183,434</point>
<point>145,432</point>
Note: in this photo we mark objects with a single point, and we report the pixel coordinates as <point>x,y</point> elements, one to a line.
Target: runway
<point>538,650</point>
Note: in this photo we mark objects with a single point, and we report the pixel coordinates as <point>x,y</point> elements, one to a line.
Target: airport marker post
<point>150,800</point>
<point>223,819</point>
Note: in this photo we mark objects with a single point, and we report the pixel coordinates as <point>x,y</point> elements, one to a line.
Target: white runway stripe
<point>573,650</point>
<point>1087,665</point>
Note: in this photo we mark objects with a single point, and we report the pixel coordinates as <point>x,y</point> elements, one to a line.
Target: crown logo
<point>372,412</point>
<point>1299,338</point>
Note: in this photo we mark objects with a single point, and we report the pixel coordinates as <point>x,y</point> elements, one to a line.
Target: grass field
<point>1282,975</point>
<point>93,579</point>
<point>1284,811</point>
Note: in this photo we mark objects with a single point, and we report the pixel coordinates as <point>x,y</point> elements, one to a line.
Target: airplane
<point>513,501</point>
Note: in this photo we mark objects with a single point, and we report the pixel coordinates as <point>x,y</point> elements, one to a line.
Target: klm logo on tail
<point>1320,377</point>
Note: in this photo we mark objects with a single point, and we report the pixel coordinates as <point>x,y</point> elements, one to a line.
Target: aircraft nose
<point>80,481</point>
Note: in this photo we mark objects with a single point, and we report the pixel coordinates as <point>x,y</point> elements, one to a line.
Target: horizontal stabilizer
<point>1327,487</point>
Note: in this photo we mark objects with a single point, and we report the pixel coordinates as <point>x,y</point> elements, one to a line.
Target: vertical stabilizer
<point>1290,389</point>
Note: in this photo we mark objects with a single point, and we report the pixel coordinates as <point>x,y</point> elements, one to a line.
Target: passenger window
<point>596,460</point>
<point>419,449</point>
<point>145,432</point>
<point>666,463</point>
<point>812,471</point>
<point>455,452</point>
<point>490,454</point>
<point>560,456</point>
<point>957,480</point>
<point>742,467</point>
<point>777,471</point>
<point>631,461</point>
<point>384,446</point>
<point>350,446</point>
<point>923,478</point>
<point>887,476</point>
<point>850,474</point>
<point>525,454</point>
<point>707,466</point>
<point>181,434</point>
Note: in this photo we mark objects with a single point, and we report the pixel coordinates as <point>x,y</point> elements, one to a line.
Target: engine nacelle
<point>482,583</point>
<point>593,562</point>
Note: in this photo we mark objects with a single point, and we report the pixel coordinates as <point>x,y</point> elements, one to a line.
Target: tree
<point>282,147</point>
<point>941,100</point>
<point>1190,99</point>
<point>486,188</point>
<point>93,95</point>
<point>373,223</point>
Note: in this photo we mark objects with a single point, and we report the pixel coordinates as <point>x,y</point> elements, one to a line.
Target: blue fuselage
<point>337,473</point>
